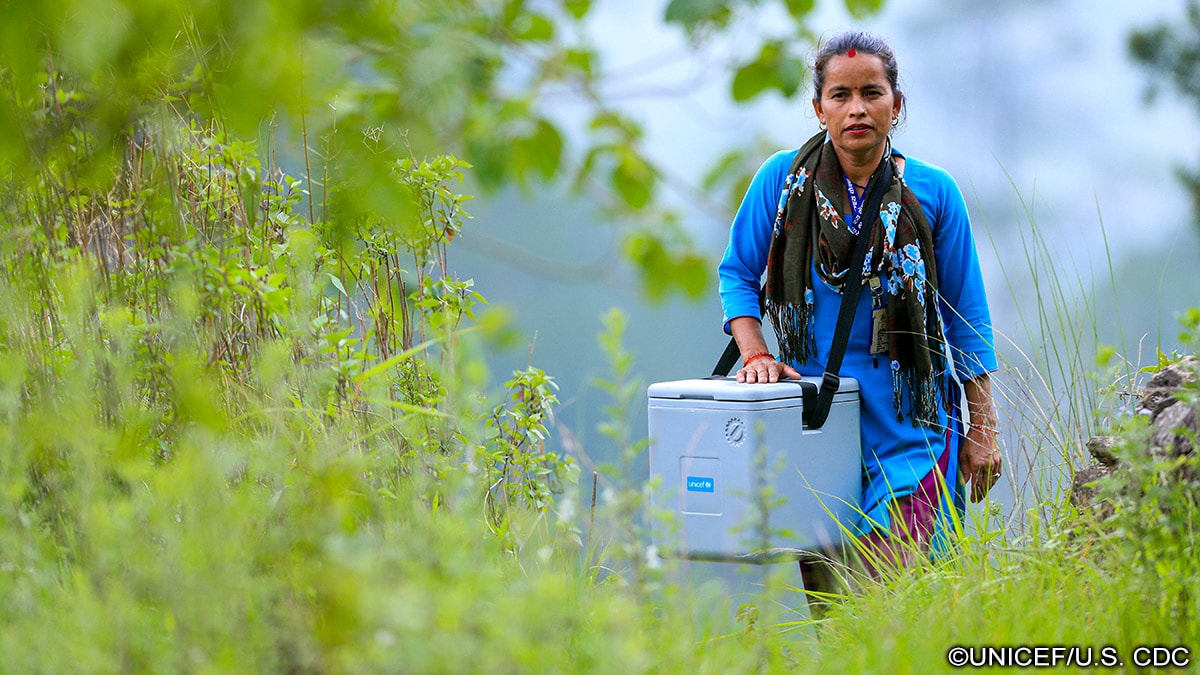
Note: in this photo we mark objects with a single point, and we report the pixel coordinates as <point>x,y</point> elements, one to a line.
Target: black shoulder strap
<point>851,290</point>
<point>731,354</point>
<point>815,415</point>
<point>728,358</point>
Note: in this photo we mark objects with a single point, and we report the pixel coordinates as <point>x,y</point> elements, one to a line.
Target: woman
<point>922,323</point>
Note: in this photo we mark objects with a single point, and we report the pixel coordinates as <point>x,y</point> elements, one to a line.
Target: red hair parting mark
<point>852,53</point>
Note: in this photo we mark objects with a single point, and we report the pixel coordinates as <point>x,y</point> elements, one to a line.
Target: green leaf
<point>588,166</point>
<point>577,8</point>
<point>863,9</point>
<point>663,271</point>
<point>774,68</point>
<point>533,28</point>
<point>513,10</point>
<point>489,157</point>
<point>609,119</point>
<point>650,258</point>
<point>1105,355</point>
<point>692,275</point>
<point>540,151</point>
<point>800,8</point>
<point>547,144</point>
<point>634,180</point>
<point>582,60</point>
<point>337,283</point>
<point>365,188</point>
<point>789,74</point>
<point>692,13</point>
<point>751,80</point>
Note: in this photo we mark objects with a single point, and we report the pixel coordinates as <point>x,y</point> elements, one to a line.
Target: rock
<point>1086,494</point>
<point>1175,428</point>
<point>1177,374</point>
<point>1160,390</point>
<point>1101,449</point>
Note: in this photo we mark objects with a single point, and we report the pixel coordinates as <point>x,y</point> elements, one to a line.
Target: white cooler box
<point>720,450</point>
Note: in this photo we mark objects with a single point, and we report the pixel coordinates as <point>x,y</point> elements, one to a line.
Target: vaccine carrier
<point>737,477</point>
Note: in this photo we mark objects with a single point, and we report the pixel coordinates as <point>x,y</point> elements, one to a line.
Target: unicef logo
<point>735,432</point>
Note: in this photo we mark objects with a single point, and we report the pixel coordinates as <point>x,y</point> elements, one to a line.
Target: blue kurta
<point>896,454</point>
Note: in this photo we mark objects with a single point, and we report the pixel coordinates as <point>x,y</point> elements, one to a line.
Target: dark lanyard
<point>856,205</point>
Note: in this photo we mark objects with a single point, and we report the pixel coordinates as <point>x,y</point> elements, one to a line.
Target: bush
<point>237,439</point>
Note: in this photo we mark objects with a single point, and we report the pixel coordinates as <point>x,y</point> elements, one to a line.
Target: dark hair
<point>864,43</point>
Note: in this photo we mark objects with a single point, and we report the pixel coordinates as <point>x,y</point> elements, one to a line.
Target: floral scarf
<point>810,234</point>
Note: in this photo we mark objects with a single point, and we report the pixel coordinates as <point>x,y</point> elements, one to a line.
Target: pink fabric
<point>913,519</point>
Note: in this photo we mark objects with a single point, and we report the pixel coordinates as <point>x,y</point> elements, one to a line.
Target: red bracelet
<point>757,356</point>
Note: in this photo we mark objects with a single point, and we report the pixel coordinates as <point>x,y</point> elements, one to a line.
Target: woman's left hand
<point>979,460</point>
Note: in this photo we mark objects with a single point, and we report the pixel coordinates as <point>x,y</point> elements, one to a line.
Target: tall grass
<point>239,437</point>
<point>238,440</point>
<point>1058,382</point>
<point>1050,575</point>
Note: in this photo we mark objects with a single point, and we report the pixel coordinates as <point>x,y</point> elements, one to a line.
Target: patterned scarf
<point>809,224</point>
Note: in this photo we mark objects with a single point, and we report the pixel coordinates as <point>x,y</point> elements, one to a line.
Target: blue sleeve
<point>745,259</point>
<point>960,280</point>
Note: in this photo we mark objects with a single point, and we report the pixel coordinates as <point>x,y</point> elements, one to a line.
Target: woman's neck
<point>859,167</point>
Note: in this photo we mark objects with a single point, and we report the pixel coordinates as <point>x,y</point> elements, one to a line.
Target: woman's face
<point>857,103</point>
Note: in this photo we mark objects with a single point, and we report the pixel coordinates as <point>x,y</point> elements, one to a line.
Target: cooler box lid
<point>729,389</point>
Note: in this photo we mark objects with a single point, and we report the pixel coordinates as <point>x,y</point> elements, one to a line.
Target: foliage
<point>1053,393</point>
<point>222,418</point>
<point>487,80</point>
<point>1007,596</point>
<point>521,472</point>
<point>1155,511</point>
<point>1171,52</point>
<point>626,548</point>
<point>1131,580</point>
<point>220,453</point>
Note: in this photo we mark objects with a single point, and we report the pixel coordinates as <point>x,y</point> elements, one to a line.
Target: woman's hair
<point>863,43</point>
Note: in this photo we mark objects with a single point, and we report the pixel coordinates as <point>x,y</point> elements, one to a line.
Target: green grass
<point>1047,574</point>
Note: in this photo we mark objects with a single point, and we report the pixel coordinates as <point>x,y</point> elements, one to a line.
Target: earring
<point>896,121</point>
<point>821,125</point>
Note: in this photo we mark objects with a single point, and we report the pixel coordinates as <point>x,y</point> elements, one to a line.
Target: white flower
<point>608,495</point>
<point>653,561</point>
<point>566,510</point>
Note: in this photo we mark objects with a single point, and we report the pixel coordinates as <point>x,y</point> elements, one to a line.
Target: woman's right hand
<point>747,332</point>
<point>766,369</point>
